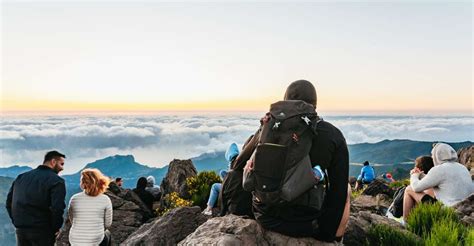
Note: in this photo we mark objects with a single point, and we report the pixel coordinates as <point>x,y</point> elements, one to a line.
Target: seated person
<point>424,163</point>
<point>450,181</point>
<point>367,175</point>
<point>144,195</point>
<point>387,177</point>
<point>231,153</point>
<point>152,188</point>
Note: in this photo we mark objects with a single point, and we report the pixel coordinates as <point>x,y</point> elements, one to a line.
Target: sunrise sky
<point>152,56</point>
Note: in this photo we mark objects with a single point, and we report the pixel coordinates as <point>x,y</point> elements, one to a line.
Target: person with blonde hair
<point>91,211</point>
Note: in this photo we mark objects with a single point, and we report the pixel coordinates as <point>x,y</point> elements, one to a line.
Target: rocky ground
<point>134,224</point>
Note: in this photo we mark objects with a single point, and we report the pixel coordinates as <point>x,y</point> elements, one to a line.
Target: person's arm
<point>338,174</point>
<point>432,179</point>
<point>69,211</point>
<point>362,172</point>
<point>241,160</point>
<point>8,204</point>
<point>108,215</point>
<point>58,193</point>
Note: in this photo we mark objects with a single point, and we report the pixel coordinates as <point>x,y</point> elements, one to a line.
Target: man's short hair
<point>118,179</point>
<point>52,155</point>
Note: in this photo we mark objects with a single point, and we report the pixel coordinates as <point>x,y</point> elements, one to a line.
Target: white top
<point>90,216</point>
<point>450,180</point>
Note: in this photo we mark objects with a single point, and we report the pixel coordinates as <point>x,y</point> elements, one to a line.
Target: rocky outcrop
<point>361,222</point>
<point>235,230</point>
<point>465,210</point>
<point>169,229</point>
<point>466,157</point>
<point>378,204</point>
<point>129,213</point>
<point>175,180</point>
<point>378,187</point>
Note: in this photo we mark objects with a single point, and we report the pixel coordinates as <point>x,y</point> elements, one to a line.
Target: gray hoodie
<point>450,180</point>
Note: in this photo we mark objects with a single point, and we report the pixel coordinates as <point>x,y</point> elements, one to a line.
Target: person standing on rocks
<point>35,202</point>
<point>90,211</point>
<point>327,147</point>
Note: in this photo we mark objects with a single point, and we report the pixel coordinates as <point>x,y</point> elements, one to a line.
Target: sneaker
<point>207,211</point>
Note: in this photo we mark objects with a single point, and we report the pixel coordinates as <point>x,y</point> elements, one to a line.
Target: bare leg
<point>410,199</point>
<point>345,216</point>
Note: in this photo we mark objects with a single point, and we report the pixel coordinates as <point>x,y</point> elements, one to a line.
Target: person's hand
<point>249,166</point>
<point>56,235</point>
<point>415,171</point>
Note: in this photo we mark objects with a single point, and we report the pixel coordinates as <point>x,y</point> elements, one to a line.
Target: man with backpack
<point>293,146</point>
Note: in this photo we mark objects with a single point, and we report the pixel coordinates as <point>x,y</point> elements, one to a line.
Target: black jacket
<point>36,200</point>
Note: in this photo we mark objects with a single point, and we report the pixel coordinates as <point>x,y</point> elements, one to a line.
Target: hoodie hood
<point>301,90</point>
<point>232,152</point>
<point>150,181</point>
<point>442,153</point>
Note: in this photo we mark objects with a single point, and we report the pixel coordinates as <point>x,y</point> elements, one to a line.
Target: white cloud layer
<point>156,140</point>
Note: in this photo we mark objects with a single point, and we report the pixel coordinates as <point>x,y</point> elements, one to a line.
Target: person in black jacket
<point>329,151</point>
<point>35,202</point>
<point>144,195</point>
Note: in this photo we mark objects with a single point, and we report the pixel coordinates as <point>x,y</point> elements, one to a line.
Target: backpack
<point>233,198</point>
<point>282,170</point>
<point>396,208</point>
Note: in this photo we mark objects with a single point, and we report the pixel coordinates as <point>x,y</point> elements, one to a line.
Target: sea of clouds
<point>156,140</point>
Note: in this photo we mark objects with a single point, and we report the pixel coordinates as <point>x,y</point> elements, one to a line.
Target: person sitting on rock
<point>146,197</point>
<point>322,215</point>
<point>367,175</point>
<point>424,163</point>
<point>152,188</point>
<point>231,153</point>
<point>450,181</point>
<point>387,177</point>
<point>91,211</point>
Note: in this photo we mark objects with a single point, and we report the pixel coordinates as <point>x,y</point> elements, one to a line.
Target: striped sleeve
<point>108,215</point>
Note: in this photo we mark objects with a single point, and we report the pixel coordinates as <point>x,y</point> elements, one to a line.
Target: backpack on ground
<point>282,170</point>
<point>396,208</point>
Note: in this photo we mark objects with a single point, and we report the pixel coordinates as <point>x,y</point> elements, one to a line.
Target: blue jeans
<point>215,189</point>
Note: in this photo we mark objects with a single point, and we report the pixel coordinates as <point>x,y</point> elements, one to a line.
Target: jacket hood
<point>232,152</point>
<point>442,153</point>
<point>301,90</point>
<point>150,181</point>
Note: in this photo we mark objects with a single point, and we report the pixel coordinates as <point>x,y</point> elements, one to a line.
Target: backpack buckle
<point>306,120</point>
<point>276,125</point>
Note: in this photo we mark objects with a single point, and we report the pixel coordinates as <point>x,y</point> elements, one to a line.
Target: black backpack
<point>396,208</point>
<point>282,169</point>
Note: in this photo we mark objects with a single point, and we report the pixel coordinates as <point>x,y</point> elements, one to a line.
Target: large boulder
<point>361,222</point>
<point>129,213</point>
<point>169,229</point>
<point>175,179</point>
<point>465,210</point>
<point>465,156</point>
<point>235,230</point>
<point>378,204</point>
<point>378,187</point>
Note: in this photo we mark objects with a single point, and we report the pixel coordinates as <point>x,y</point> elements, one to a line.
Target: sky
<point>155,140</point>
<point>235,56</point>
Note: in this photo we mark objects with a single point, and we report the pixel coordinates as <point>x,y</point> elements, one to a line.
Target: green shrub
<point>399,183</point>
<point>425,215</point>
<point>386,235</point>
<point>200,186</point>
<point>445,232</point>
<point>356,193</point>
